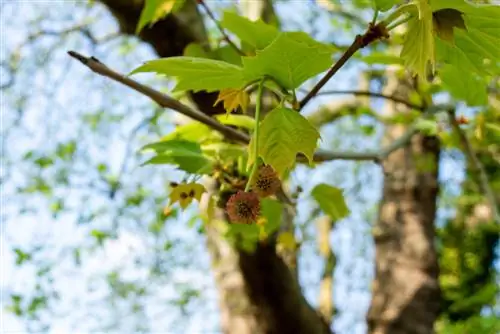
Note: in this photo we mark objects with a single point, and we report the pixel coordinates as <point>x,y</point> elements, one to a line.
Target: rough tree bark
<point>406,295</point>
<point>258,292</point>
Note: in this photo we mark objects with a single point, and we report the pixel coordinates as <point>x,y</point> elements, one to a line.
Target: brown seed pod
<point>267,182</point>
<point>243,207</point>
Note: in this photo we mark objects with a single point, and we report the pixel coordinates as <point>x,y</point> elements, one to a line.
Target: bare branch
<point>372,94</point>
<point>374,32</point>
<point>223,32</point>
<point>163,100</point>
<point>484,182</point>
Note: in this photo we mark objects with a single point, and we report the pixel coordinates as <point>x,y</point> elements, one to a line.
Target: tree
<point>254,264</point>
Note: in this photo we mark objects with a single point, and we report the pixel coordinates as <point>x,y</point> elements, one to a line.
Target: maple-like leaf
<point>418,48</point>
<point>154,10</point>
<point>445,20</point>
<point>283,134</point>
<point>233,98</point>
<point>185,193</point>
<point>331,201</point>
<point>197,74</point>
<point>258,34</point>
<point>291,59</point>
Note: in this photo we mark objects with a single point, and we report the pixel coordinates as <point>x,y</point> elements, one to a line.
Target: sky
<point>58,93</point>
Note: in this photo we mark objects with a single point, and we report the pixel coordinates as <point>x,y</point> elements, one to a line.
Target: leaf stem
<point>398,23</point>
<point>255,147</point>
<point>375,16</point>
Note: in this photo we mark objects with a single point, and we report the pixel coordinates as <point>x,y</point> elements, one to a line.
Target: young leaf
<point>271,213</point>
<point>290,59</point>
<point>186,155</point>
<point>385,5</point>
<point>197,74</point>
<point>418,47</point>
<point>154,10</point>
<point>242,121</point>
<point>331,201</point>
<point>257,34</point>
<point>283,134</point>
<point>233,98</point>
<point>469,88</point>
<point>185,193</point>
<point>193,131</point>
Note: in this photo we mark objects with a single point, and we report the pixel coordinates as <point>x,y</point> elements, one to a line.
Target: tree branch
<point>484,182</point>
<point>373,33</point>
<point>217,24</point>
<point>163,100</point>
<point>372,94</point>
<point>326,308</point>
<point>166,101</point>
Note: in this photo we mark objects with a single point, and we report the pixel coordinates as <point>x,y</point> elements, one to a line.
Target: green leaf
<point>224,150</point>
<point>445,20</point>
<point>331,201</point>
<point>476,49</point>
<point>256,33</point>
<point>196,74</point>
<point>194,131</point>
<point>384,5</point>
<point>283,134</point>
<point>271,210</point>
<point>427,126</point>
<point>242,121</point>
<point>154,10</point>
<point>290,59</point>
<point>185,154</point>
<point>469,88</point>
<point>418,48</point>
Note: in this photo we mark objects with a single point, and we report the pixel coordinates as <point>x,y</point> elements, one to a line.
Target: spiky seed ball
<point>243,207</point>
<point>267,181</point>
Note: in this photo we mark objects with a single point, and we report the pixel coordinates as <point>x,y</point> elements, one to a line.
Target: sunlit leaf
<point>476,49</point>
<point>331,201</point>
<point>233,99</point>
<point>196,74</point>
<point>258,34</point>
<point>242,121</point>
<point>290,59</point>
<point>283,134</point>
<point>469,88</point>
<point>186,155</point>
<point>185,193</point>
<point>193,131</point>
<point>418,48</point>
<point>154,10</point>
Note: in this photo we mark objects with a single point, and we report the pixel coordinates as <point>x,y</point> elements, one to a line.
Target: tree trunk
<point>406,295</point>
<point>258,292</point>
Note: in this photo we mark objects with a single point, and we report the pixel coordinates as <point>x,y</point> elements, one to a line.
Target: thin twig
<point>484,182</point>
<point>222,31</point>
<point>163,100</point>
<point>372,94</point>
<point>374,32</point>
